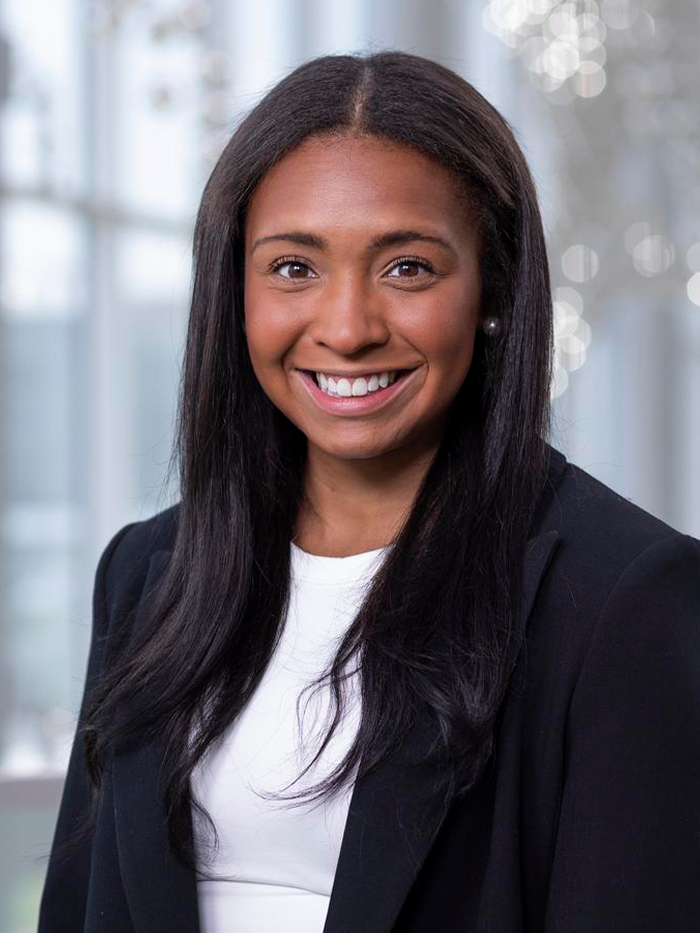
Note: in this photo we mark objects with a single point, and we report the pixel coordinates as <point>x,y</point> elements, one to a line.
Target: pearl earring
<point>492,326</point>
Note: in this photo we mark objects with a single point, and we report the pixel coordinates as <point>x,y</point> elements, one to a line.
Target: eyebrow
<point>382,241</point>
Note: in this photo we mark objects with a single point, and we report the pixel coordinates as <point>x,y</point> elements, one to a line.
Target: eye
<point>296,265</point>
<point>410,263</point>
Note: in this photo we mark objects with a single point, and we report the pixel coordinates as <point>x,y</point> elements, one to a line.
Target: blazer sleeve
<point>64,894</point>
<point>627,853</point>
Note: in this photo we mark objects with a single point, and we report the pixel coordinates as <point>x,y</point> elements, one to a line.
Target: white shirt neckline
<point>318,568</point>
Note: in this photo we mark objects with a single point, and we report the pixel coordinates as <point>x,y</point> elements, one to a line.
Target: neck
<point>354,505</point>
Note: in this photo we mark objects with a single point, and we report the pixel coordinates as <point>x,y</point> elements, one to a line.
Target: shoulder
<point>648,629</point>
<point>601,533</point>
<point>591,516</point>
<point>616,706</point>
<point>633,721</point>
<point>619,576</point>
<point>125,561</point>
<point>132,554</point>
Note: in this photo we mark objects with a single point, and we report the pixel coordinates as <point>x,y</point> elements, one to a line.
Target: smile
<point>360,385</point>
<point>355,396</point>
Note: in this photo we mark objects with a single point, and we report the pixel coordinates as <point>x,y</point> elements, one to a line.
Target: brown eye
<point>297,269</point>
<point>409,269</point>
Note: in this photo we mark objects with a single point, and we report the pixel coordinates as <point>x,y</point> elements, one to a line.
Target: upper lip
<point>364,372</point>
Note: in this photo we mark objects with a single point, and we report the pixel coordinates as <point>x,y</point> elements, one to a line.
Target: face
<point>361,260</point>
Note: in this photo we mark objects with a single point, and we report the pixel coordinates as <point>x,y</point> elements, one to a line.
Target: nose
<point>347,317</point>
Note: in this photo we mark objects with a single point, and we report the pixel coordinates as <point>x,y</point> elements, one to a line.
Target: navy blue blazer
<point>589,819</point>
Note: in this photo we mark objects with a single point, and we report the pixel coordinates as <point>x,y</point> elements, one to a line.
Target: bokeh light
<point>653,255</point>
<point>580,263</point>
<point>693,288</point>
<point>561,42</point>
<point>572,336</point>
<point>692,257</point>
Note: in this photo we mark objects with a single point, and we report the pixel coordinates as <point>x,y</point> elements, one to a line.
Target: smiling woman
<point>360,308</point>
<point>501,652</point>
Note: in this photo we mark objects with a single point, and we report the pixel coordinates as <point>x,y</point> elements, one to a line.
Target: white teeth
<point>360,386</point>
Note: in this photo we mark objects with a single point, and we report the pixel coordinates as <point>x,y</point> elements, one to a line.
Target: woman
<point>507,734</point>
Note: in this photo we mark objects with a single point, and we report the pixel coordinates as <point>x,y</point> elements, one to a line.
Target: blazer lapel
<point>393,819</point>
<point>160,890</point>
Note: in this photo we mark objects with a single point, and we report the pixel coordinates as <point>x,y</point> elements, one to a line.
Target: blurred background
<point>112,114</point>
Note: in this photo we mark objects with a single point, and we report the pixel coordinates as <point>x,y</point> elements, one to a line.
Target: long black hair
<point>436,632</point>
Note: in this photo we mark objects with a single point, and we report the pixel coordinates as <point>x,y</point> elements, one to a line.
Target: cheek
<point>270,330</point>
<point>264,321</point>
<point>446,334</point>
<point>457,346</point>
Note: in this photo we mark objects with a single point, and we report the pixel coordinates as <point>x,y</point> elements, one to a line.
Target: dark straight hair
<point>436,634</point>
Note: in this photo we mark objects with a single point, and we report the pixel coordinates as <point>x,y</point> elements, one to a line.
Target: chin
<point>357,450</point>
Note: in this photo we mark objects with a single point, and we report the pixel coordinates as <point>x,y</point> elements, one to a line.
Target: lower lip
<point>354,404</point>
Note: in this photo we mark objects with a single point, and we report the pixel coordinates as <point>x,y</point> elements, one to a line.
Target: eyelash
<point>415,260</point>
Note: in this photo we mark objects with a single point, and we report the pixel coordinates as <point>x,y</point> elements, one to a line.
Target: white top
<point>276,863</point>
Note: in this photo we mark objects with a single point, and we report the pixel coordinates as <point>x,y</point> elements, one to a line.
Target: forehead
<point>354,184</point>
